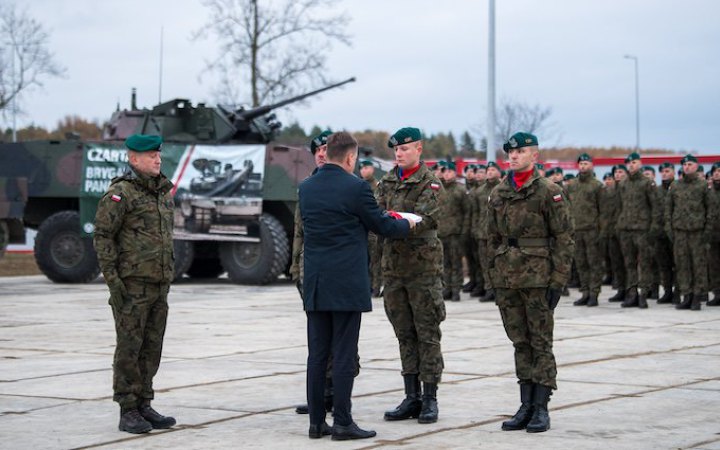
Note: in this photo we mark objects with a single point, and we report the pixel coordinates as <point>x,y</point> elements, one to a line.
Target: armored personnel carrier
<point>235,189</point>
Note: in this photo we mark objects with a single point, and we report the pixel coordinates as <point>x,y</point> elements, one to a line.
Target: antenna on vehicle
<point>161,66</point>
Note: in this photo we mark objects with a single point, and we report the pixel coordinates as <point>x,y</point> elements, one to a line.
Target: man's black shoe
<point>132,422</point>
<point>157,420</point>
<point>302,409</point>
<point>318,431</point>
<point>352,431</point>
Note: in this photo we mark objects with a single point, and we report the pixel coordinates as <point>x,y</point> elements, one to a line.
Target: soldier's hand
<point>552,295</point>
<point>118,292</point>
<point>412,223</point>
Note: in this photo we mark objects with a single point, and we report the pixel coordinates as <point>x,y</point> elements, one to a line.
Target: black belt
<point>526,242</point>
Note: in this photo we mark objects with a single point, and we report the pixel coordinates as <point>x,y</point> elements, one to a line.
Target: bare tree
<point>25,59</point>
<point>276,48</point>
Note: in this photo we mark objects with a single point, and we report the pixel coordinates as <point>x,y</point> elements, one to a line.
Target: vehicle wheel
<point>184,255</point>
<point>61,251</point>
<point>257,263</point>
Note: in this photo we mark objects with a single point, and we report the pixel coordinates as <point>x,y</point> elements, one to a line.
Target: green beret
<point>549,172</point>
<point>480,166</point>
<point>404,136</point>
<point>319,140</point>
<point>519,140</point>
<point>687,158</point>
<point>715,166</point>
<point>450,165</point>
<point>468,167</point>
<point>435,166</point>
<point>667,165</point>
<point>366,162</point>
<point>558,170</point>
<point>540,166</point>
<point>701,168</point>
<point>584,157</point>
<point>632,157</point>
<point>650,168</point>
<point>143,143</point>
<point>607,175</point>
<point>618,167</point>
<point>568,177</point>
<point>493,164</point>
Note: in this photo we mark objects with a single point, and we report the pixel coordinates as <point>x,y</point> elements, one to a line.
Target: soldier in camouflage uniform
<point>688,221</point>
<point>134,245</point>
<point>663,246</point>
<point>451,228</point>
<point>649,173</point>
<point>530,234</point>
<point>412,272</point>
<point>584,194</point>
<point>479,226</point>
<point>619,173</point>
<point>472,182</point>
<point>714,254</point>
<point>367,172</point>
<point>608,182</point>
<point>638,222</point>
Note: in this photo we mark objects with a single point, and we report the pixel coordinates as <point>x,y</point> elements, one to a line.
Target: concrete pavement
<point>234,369</point>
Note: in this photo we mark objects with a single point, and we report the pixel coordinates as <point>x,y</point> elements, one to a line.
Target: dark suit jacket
<point>337,211</point>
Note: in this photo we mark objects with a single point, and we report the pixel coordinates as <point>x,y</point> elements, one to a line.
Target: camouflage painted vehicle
<point>13,197</point>
<point>235,189</point>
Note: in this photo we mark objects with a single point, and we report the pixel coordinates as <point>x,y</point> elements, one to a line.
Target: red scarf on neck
<point>520,178</point>
<point>405,174</point>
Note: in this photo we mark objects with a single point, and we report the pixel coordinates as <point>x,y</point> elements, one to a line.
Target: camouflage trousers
<point>375,251</point>
<point>588,260</point>
<point>714,267</point>
<point>452,261</point>
<point>140,320</point>
<point>415,309</point>
<point>529,323</point>
<point>617,264</point>
<point>484,257</point>
<point>637,256</point>
<point>470,246</point>
<point>665,260</point>
<point>690,252</point>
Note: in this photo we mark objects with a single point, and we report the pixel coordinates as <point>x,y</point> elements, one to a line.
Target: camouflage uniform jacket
<point>420,254</point>
<point>453,205</point>
<point>296,260</point>
<point>609,210</point>
<point>133,229</point>
<point>662,192</point>
<point>584,193</point>
<point>714,196</point>
<point>530,235</point>
<point>687,206</point>
<point>480,208</point>
<point>639,210</point>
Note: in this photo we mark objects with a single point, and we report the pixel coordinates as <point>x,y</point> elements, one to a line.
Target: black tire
<point>184,252</point>
<point>257,263</point>
<point>205,268</point>
<point>62,253</point>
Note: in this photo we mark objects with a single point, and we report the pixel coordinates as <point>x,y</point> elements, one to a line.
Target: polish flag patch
<point>115,198</point>
<point>557,198</point>
<point>435,186</point>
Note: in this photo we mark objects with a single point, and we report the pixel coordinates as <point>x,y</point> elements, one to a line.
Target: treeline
<point>68,127</point>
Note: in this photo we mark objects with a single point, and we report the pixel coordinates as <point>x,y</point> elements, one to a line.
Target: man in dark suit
<point>337,210</point>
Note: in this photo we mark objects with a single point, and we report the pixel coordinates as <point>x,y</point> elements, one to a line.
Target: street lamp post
<point>637,101</point>
<point>490,139</point>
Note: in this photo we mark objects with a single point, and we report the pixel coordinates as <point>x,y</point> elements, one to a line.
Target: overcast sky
<point>424,63</point>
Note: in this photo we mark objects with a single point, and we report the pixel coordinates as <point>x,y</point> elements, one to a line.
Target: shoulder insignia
<point>557,198</point>
<point>116,198</point>
<point>435,186</point>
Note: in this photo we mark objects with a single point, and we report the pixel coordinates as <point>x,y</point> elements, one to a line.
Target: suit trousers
<point>336,333</point>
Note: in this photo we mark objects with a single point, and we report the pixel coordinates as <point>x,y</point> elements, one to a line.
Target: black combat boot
<point>540,420</point>
<point>565,292</point>
<point>446,294</point>
<point>479,291</point>
<point>696,303</point>
<point>455,295</point>
<point>582,301</point>
<point>716,299</point>
<point>488,297</point>
<point>132,422</point>
<point>410,407</point>
<point>429,410</point>
<point>157,420</point>
<point>686,302</point>
<point>608,280</point>
<point>667,296</point>
<point>676,297</point>
<point>593,300</point>
<point>469,286</point>
<point>642,300</point>
<point>654,293</point>
<point>618,297</point>
<point>631,298</point>
<point>521,418</point>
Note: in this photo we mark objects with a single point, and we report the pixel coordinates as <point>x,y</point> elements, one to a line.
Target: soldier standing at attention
<point>619,173</point>
<point>471,184</point>
<point>638,222</point>
<point>480,226</point>
<point>367,172</point>
<point>714,255</point>
<point>412,272</point>
<point>605,214</point>
<point>584,193</point>
<point>134,245</point>
<point>663,246</point>
<point>649,173</point>
<point>451,228</point>
<point>530,234</point>
<point>688,221</point>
